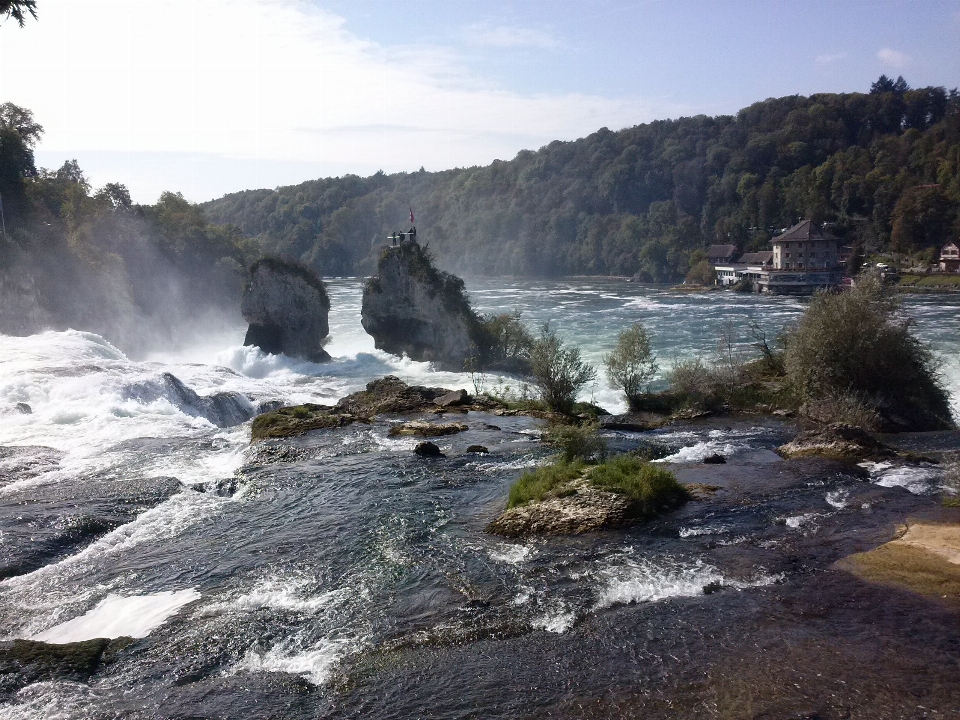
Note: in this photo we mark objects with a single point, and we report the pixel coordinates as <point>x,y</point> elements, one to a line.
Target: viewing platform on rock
<point>399,238</point>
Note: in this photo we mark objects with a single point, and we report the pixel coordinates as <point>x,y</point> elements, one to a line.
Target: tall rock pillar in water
<point>412,308</point>
<point>286,305</point>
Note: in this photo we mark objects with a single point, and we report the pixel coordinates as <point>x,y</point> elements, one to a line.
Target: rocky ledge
<point>386,395</point>
<point>412,308</point>
<point>287,306</point>
<point>574,508</point>
<point>836,442</point>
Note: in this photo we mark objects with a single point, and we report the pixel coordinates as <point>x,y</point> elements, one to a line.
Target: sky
<point>207,97</point>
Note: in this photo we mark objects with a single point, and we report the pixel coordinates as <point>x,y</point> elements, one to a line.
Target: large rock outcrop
<point>414,309</point>
<point>286,305</point>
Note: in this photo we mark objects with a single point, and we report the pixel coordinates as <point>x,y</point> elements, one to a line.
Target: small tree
<point>558,371</point>
<point>632,364</point>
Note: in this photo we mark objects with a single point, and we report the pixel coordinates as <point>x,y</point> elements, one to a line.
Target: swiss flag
<point>412,221</point>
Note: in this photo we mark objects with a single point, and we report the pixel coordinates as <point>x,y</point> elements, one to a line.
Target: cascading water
<point>340,575</point>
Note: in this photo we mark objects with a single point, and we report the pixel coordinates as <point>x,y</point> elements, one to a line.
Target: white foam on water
<point>796,521</point>
<point>52,700</point>
<point>117,616</point>
<point>512,554</point>
<point>280,594</point>
<point>314,664</point>
<point>556,621</point>
<point>838,498</point>
<point>704,449</point>
<point>918,480</point>
<point>33,600</point>
<point>698,530</point>
<point>633,580</point>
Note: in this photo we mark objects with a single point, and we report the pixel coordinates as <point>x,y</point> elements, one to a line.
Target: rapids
<point>339,575</point>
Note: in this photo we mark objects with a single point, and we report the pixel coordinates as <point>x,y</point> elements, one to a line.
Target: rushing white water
<point>88,405</point>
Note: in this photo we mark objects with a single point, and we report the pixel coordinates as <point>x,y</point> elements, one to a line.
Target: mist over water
<point>342,555</point>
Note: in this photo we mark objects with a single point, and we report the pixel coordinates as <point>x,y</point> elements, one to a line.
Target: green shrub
<point>856,345</point>
<point>558,371</point>
<point>632,364</point>
<point>652,489</point>
<point>577,442</point>
<point>703,273</point>
<point>537,484</point>
<point>504,344</point>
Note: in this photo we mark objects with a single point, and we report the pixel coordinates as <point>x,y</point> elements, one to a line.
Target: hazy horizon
<point>230,95</point>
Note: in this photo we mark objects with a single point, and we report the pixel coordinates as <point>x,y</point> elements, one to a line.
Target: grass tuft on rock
<point>651,489</point>
<point>544,482</point>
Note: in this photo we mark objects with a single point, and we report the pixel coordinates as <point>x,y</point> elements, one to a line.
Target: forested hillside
<point>74,257</point>
<point>884,166</point>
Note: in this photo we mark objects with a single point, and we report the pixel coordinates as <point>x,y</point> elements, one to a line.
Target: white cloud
<point>893,58</point>
<point>828,59</point>
<point>504,37</point>
<point>276,80</point>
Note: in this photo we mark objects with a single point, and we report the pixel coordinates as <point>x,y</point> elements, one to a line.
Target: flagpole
<point>3,221</point>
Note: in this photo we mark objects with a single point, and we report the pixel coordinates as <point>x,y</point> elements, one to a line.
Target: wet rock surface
<point>46,522</point>
<point>427,429</point>
<point>23,662</point>
<point>412,309</point>
<point>580,509</point>
<point>287,307</point>
<point>223,409</point>
<point>836,441</point>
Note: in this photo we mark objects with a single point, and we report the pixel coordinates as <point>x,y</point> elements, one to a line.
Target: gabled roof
<point>757,258</point>
<point>804,232</point>
<point>721,252</point>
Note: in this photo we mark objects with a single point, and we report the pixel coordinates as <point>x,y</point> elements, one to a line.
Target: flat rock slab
<point>585,510</point>
<point>839,442</point>
<point>428,429</point>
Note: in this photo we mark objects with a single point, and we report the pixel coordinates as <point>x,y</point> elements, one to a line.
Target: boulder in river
<point>427,429</point>
<point>428,449</point>
<point>412,308</point>
<point>578,508</point>
<point>837,442</point>
<point>287,306</point>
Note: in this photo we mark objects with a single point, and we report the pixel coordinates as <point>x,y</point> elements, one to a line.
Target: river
<point>339,575</point>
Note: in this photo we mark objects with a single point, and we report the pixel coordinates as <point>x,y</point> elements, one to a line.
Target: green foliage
<point>703,273</point>
<point>652,488</point>
<point>504,343</point>
<point>632,364</point>
<point>646,199</point>
<point>539,483</point>
<point>856,345</point>
<point>558,372</point>
<point>577,442</point>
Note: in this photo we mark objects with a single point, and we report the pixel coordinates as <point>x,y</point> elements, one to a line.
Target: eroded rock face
<point>286,305</point>
<point>580,509</point>
<point>412,308</point>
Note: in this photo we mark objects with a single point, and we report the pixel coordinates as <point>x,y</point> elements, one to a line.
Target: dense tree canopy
<point>883,167</point>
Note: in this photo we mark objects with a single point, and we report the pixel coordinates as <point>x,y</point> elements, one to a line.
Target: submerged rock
<point>714,459</point>
<point>428,449</point>
<point>479,449</point>
<point>412,308</point>
<point>24,662</point>
<point>287,306</point>
<point>837,442</point>
<point>23,408</point>
<point>224,409</point>
<point>427,429</point>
